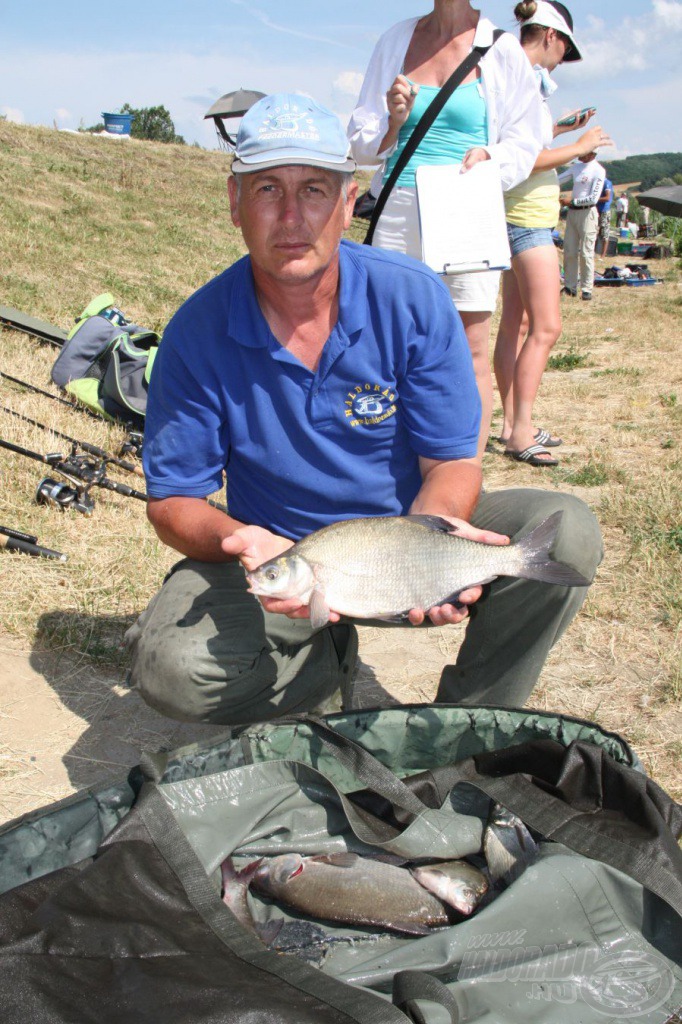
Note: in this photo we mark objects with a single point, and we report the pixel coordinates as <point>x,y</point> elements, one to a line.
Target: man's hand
<point>448,614</point>
<point>253,545</point>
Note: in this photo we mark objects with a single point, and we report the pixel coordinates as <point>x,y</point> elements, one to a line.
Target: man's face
<point>292,219</point>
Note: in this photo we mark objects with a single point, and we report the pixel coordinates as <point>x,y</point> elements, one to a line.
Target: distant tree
<point>646,169</point>
<point>153,123</point>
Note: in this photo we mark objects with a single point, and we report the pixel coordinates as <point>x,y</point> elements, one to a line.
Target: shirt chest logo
<point>369,404</point>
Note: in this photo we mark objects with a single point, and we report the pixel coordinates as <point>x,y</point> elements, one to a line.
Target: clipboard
<point>462,219</point>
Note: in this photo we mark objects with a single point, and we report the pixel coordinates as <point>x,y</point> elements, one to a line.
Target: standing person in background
<point>622,205</point>
<point>494,114</point>
<point>582,222</point>
<point>531,319</point>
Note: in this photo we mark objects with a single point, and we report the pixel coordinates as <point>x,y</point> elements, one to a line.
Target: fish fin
<point>454,598</point>
<point>436,523</point>
<point>269,931</point>
<point>409,927</point>
<point>319,609</point>
<point>536,555</point>
<point>339,860</point>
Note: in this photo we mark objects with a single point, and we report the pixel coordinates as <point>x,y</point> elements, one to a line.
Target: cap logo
<point>283,122</point>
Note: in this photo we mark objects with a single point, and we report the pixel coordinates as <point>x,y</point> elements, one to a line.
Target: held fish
<point>385,566</point>
<point>455,882</point>
<point>349,889</point>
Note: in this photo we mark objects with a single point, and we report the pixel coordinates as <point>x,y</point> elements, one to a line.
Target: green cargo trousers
<point>205,650</point>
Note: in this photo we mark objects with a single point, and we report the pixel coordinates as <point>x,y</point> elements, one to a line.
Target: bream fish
<point>349,889</point>
<point>385,566</point>
<point>455,882</point>
<point>508,846</point>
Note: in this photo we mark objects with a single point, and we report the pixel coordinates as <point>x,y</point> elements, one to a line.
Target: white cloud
<point>62,114</point>
<point>348,82</point>
<point>12,114</point>
<point>669,13</point>
<point>269,23</point>
<point>633,44</point>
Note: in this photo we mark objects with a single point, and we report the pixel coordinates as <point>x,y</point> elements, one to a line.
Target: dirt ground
<point>70,727</point>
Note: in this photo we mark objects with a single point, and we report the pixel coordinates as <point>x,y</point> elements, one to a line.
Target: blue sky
<point>65,62</point>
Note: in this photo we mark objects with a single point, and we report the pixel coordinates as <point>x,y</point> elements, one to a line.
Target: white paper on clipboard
<point>462,218</point>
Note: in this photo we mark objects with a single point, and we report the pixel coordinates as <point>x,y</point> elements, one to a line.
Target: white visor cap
<point>548,16</point>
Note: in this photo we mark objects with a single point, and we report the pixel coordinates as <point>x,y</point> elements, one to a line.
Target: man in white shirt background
<point>582,224</point>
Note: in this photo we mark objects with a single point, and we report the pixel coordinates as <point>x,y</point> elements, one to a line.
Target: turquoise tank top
<point>461,124</point>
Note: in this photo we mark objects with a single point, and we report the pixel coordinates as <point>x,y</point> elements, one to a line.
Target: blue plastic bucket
<point>624,232</point>
<point>117,124</point>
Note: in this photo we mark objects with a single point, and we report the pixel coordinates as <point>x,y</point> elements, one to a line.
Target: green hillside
<point>647,169</point>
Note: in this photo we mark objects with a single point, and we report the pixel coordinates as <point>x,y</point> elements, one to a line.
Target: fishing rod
<point>48,394</point>
<point>92,449</point>
<point>131,446</point>
<point>15,540</point>
<point>82,472</point>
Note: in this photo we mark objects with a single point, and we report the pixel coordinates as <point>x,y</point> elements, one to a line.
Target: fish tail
<point>536,563</point>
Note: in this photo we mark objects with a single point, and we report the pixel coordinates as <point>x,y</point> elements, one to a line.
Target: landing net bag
<point>112,907</point>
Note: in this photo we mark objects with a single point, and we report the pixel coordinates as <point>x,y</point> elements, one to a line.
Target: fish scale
<point>382,567</point>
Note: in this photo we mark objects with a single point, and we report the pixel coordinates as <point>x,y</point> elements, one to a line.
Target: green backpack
<point>106,362</point>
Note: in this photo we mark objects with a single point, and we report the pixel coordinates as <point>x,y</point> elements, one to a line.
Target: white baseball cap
<point>554,15</point>
<point>287,128</point>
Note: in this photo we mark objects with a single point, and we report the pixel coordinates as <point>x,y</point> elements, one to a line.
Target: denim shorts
<point>527,238</point>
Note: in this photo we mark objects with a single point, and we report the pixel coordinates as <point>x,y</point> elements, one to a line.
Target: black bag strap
<point>425,121</point>
<point>522,778</point>
<point>374,775</point>
<point>410,986</point>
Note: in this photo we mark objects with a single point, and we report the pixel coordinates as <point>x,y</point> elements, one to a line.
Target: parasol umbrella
<point>231,105</point>
<point>665,199</point>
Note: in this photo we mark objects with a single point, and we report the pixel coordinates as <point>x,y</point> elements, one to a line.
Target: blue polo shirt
<point>605,204</point>
<point>300,448</point>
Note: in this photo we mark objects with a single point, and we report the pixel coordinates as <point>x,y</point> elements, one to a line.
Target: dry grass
<point>149,223</point>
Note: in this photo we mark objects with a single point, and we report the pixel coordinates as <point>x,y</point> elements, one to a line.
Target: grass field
<point>149,223</point>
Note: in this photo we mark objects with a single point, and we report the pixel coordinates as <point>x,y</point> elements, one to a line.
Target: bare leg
<point>477,328</point>
<point>511,335</point>
<point>537,276</point>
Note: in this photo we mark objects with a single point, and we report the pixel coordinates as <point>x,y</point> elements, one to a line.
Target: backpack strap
<point>426,120</point>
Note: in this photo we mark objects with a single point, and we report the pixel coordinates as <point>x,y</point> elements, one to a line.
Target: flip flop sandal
<point>540,436</point>
<point>544,437</point>
<point>531,455</point>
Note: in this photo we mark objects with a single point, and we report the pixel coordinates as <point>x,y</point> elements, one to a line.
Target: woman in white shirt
<point>531,320</point>
<point>494,114</point>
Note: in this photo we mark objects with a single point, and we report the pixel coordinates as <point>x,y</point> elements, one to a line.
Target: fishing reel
<point>60,495</point>
<point>132,444</point>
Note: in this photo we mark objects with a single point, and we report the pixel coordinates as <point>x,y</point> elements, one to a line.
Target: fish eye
<point>272,573</point>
